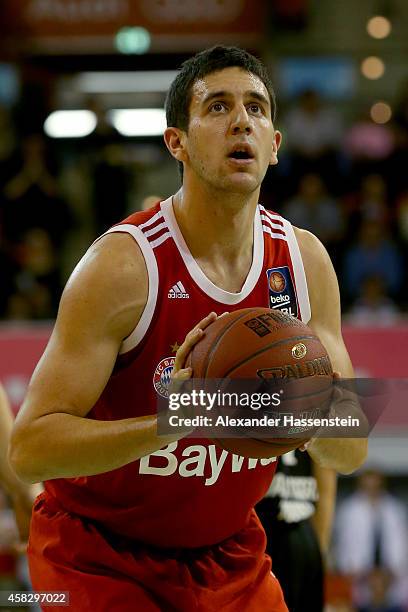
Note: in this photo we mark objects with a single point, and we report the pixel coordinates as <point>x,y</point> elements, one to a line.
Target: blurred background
<point>82,88</point>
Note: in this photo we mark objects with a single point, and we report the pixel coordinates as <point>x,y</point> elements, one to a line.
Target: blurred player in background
<point>297,515</point>
<point>21,495</point>
<point>130,520</point>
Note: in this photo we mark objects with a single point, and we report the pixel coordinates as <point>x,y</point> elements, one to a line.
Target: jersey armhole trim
<point>299,272</point>
<point>139,332</point>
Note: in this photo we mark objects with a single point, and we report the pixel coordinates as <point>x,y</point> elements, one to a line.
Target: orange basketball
<point>262,343</point>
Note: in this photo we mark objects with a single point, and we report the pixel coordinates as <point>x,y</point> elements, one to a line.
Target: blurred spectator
<point>8,538</point>
<point>373,254</point>
<point>366,140</point>
<point>110,186</point>
<point>7,271</point>
<point>372,544</point>
<point>7,141</point>
<point>339,607</point>
<point>37,279</point>
<point>402,216</point>
<point>314,210</point>
<point>401,109</point>
<point>104,132</point>
<point>150,201</point>
<point>35,222</point>
<point>108,170</point>
<point>367,145</point>
<point>402,224</point>
<point>31,196</point>
<point>369,203</point>
<point>379,582</point>
<point>313,133</point>
<point>18,307</point>
<point>396,168</point>
<point>373,307</point>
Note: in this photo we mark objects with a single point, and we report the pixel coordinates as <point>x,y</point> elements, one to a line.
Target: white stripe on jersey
<point>272,216</point>
<point>155,218</point>
<point>268,230</point>
<point>299,272</point>
<point>271,224</point>
<point>160,240</point>
<point>155,229</point>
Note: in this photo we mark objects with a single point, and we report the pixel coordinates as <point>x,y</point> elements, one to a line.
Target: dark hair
<point>204,63</point>
<point>200,65</point>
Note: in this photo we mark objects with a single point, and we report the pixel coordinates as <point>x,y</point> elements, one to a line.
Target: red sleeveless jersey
<point>190,493</point>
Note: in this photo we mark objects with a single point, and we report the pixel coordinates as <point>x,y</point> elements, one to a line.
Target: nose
<point>240,121</point>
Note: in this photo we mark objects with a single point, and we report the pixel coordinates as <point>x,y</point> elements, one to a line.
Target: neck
<point>220,222</point>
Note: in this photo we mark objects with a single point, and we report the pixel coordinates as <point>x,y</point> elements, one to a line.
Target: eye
<point>255,108</point>
<point>217,107</point>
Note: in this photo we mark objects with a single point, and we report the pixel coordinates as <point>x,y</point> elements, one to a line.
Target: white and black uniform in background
<point>285,513</point>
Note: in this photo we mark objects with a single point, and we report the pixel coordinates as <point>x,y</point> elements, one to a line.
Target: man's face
<point>231,139</point>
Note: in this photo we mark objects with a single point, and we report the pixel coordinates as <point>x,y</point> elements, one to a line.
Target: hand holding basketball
<point>265,344</point>
<point>180,371</point>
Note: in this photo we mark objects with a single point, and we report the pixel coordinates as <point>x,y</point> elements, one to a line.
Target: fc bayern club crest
<point>161,376</point>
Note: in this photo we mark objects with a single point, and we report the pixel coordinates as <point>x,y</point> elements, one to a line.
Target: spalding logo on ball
<point>268,344</point>
<point>299,351</point>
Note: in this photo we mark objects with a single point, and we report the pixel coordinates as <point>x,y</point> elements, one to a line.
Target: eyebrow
<point>225,94</point>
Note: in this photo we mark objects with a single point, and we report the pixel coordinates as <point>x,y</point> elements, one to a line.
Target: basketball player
<point>129,520</point>
<point>21,495</point>
<point>297,513</point>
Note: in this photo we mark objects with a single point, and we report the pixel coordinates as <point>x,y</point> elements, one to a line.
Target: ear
<point>276,143</point>
<point>175,142</point>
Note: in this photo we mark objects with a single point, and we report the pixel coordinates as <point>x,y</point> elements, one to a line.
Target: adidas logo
<point>178,292</point>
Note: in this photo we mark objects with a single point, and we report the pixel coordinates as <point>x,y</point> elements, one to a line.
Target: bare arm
<point>8,479</point>
<point>22,496</point>
<point>323,517</point>
<point>341,454</point>
<point>101,305</point>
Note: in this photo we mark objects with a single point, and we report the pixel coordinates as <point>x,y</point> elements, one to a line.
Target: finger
<point>177,380</point>
<point>305,446</point>
<point>223,314</point>
<point>191,339</point>
<point>206,321</point>
<point>183,374</point>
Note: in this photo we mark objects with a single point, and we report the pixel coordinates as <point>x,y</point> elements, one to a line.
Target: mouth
<point>241,155</point>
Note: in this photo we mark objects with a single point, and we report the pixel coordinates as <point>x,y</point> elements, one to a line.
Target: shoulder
<point>109,285</point>
<point>115,260</point>
<point>321,279</point>
<point>316,260</point>
<point>312,250</point>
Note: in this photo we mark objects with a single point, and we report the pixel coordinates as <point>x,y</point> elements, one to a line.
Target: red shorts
<point>107,573</point>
